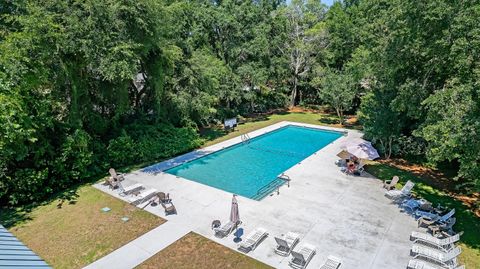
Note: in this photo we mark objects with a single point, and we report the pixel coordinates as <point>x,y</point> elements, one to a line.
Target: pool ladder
<point>245,138</point>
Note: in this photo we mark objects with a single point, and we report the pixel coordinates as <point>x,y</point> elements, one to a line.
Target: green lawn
<point>216,134</point>
<point>196,251</point>
<point>466,220</point>
<point>73,232</point>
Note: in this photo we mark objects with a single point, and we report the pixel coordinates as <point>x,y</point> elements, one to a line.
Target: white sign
<point>230,122</point>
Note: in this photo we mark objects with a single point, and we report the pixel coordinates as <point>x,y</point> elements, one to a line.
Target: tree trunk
<point>294,91</point>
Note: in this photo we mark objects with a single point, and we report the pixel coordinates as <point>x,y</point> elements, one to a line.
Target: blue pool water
<point>246,168</point>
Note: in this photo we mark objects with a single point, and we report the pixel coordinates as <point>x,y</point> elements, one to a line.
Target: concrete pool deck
<point>345,216</point>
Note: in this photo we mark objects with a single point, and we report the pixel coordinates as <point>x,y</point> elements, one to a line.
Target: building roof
<point>14,254</point>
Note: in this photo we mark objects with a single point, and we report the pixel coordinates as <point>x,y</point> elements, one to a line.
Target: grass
<point>466,219</point>
<point>215,134</point>
<point>196,251</point>
<point>71,233</point>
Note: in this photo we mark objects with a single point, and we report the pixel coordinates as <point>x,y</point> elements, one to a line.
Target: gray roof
<point>14,254</point>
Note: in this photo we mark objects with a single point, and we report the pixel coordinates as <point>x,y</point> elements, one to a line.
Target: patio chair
<point>286,243</point>
<point>443,228</point>
<point>163,198</point>
<point>142,197</point>
<point>420,264</point>
<point>253,239</point>
<point>439,256</point>
<point>430,219</point>
<point>302,257</point>
<point>332,262</point>
<point>170,209</point>
<point>132,188</point>
<point>441,243</point>
<point>115,176</point>
<point>224,230</point>
<point>112,184</point>
<point>390,184</point>
<point>404,192</point>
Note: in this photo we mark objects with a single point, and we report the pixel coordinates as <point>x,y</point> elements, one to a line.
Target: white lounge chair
<point>420,264</point>
<point>286,243</point>
<point>253,239</point>
<point>404,192</point>
<point>444,243</point>
<point>224,230</point>
<point>130,189</point>
<point>332,262</point>
<point>302,257</point>
<point>438,256</point>
<point>142,197</point>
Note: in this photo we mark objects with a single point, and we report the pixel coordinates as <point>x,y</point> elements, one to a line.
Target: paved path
<point>142,248</point>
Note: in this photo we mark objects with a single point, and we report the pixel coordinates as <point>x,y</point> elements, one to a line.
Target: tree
<point>337,89</point>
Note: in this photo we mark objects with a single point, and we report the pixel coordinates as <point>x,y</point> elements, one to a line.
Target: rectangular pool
<point>252,169</point>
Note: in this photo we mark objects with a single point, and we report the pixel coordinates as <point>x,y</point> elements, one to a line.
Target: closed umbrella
<point>362,149</point>
<point>234,214</point>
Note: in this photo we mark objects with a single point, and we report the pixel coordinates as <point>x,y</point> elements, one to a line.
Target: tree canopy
<point>85,85</point>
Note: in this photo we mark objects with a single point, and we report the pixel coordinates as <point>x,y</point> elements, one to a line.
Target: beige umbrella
<point>344,154</point>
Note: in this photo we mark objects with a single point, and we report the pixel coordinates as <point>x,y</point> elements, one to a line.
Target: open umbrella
<point>344,154</point>
<point>362,149</point>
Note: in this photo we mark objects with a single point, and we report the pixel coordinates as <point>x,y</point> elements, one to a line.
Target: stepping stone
<point>125,219</point>
<point>106,209</point>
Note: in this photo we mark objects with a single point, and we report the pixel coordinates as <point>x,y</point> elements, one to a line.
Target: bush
<point>121,150</point>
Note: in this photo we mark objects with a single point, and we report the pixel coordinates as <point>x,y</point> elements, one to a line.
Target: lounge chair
<point>302,257</point>
<point>420,264</point>
<point>332,262</point>
<point>286,243</point>
<point>253,239</point>
<point>414,204</point>
<point>431,219</point>
<point>224,230</point>
<point>390,184</point>
<point>404,192</point>
<point>436,255</point>
<point>444,243</point>
<point>443,228</point>
<point>115,176</point>
<point>132,188</point>
<point>142,197</point>
<point>170,209</point>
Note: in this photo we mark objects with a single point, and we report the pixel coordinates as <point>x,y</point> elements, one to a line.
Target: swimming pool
<point>251,169</point>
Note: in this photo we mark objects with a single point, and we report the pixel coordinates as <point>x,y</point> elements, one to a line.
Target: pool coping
<point>202,152</point>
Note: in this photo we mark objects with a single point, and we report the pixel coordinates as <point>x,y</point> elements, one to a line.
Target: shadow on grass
<point>12,216</point>
<point>328,120</point>
<point>466,219</point>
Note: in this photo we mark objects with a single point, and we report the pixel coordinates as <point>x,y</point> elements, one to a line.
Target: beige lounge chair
<point>390,184</point>
<point>163,198</point>
<point>302,257</point>
<point>224,230</point>
<point>444,243</point>
<point>286,244</point>
<point>142,197</point>
<point>332,262</point>
<point>112,184</point>
<point>170,209</point>
<point>131,189</point>
<point>253,239</point>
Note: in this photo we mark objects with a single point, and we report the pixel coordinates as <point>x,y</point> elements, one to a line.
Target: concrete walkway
<point>142,248</point>
<point>341,215</point>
